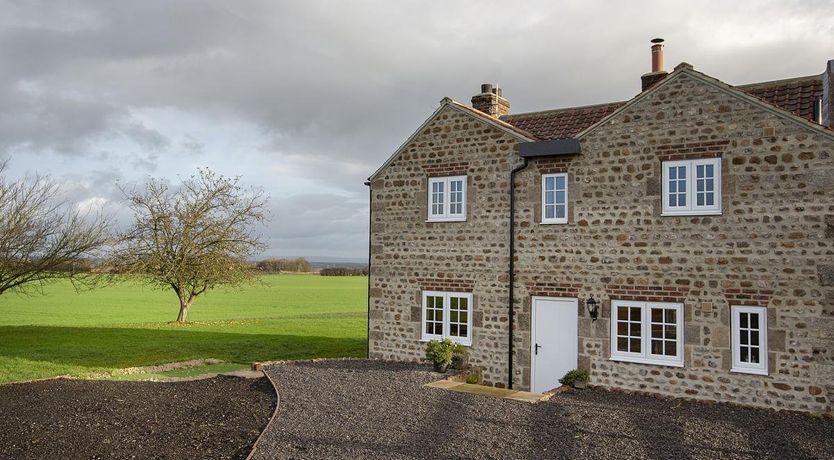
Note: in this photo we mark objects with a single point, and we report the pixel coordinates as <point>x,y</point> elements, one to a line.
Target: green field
<point>125,325</point>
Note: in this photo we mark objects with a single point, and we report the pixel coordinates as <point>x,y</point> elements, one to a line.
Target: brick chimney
<point>657,72</point>
<point>490,101</point>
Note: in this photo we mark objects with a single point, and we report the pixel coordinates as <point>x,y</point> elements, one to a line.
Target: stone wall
<point>773,246</point>
<point>409,255</point>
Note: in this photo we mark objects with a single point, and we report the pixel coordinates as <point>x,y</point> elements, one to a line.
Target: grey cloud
<point>330,89</point>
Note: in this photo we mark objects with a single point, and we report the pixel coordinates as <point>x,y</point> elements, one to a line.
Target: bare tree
<point>42,238</point>
<point>194,237</point>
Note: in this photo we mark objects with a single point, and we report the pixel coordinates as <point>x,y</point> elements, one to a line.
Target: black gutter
<point>370,223</point>
<point>511,301</point>
<point>551,148</point>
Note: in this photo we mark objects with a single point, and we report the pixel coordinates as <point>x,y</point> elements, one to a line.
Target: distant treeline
<point>277,265</point>
<point>269,265</point>
<point>344,271</point>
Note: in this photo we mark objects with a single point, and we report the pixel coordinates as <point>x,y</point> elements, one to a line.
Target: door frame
<point>533,300</point>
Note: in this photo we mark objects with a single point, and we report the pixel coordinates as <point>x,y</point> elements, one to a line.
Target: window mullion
<point>445,199</point>
<point>645,330</point>
<point>446,310</point>
<point>691,188</point>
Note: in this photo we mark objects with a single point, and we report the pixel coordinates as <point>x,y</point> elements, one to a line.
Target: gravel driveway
<point>55,419</point>
<point>366,409</point>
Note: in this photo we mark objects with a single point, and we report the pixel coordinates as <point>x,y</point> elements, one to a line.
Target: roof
<point>795,95</point>
<point>561,123</point>
<point>791,99</point>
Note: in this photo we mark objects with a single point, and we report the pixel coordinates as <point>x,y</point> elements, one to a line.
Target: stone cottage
<point>679,243</point>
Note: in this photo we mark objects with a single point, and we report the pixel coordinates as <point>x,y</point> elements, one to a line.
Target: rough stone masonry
<point>772,246</point>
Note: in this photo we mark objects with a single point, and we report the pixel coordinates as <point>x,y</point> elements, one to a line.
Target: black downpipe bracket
<point>370,223</point>
<point>511,300</point>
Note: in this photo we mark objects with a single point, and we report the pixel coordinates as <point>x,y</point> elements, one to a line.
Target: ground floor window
<point>447,315</point>
<point>749,336</point>
<point>647,332</point>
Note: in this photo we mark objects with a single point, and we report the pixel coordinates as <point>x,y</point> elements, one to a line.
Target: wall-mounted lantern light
<point>593,308</point>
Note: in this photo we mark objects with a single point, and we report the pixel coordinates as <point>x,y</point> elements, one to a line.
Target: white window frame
<point>447,296</point>
<point>554,219</point>
<point>691,208</point>
<point>735,324</point>
<point>645,356</point>
<point>446,216</point>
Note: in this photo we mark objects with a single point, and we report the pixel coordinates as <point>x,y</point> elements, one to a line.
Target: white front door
<point>554,344</point>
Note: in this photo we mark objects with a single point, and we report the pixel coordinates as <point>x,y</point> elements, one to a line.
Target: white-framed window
<point>749,339</point>
<point>647,332</point>
<point>555,198</point>
<point>692,187</point>
<point>447,198</point>
<point>447,315</point>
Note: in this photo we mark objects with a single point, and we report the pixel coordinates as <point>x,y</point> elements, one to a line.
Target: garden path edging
<point>271,419</point>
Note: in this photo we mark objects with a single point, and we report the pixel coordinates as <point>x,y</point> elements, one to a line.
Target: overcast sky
<point>306,99</point>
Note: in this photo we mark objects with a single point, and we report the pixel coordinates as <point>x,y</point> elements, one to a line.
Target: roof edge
<point>687,69</point>
<point>515,130</point>
<point>774,82</point>
<point>449,102</point>
<point>562,109</point>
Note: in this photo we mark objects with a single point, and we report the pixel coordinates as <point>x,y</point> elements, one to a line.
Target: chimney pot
<point>486,88</point>
<point>650,79</point>
<point>657,55</point>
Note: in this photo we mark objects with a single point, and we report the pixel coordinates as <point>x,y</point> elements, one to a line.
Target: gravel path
<point>213,418</point>
<point>362,409</point>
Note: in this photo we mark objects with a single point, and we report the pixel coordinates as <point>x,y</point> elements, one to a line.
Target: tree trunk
<point>183,316</point>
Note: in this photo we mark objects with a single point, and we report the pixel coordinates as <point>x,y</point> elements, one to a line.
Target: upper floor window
<point>447,198</point>
<point>749,335</point>
<point>447,315</point>
<point>692,187</point>
<point>555,198</point>
<point>647,332</point>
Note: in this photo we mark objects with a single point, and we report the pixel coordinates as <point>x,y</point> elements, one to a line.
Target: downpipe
<point>511,300</point>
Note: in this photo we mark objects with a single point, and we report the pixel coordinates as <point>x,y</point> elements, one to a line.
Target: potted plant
<point>460,357</point>
<point>440,353</point>
<point>577,378</point>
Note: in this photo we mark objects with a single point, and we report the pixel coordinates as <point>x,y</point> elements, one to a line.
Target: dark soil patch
<point>213,418</point>
<point>378,410</point>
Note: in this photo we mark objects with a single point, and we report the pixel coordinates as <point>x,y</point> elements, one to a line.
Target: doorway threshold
<point>483,390</point>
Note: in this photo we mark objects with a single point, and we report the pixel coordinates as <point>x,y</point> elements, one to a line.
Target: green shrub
<point>576,375</point>
<point>474,378</point>
<point>460,356</point>
<point>440,353</point>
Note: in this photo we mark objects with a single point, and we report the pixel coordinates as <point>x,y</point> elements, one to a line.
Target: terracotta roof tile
<point>561,123</point>
<point>796,95</point>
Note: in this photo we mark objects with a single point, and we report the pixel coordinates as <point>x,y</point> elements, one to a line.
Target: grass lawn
<point>93,333</point>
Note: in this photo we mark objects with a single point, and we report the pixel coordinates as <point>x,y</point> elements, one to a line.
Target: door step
<point>483,390</point>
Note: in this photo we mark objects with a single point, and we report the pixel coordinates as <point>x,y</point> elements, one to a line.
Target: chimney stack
<point>491,101</point>
<point>827,109</point>
<point>657,72</point>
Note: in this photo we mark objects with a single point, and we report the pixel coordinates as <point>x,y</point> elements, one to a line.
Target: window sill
<point>450,219</point>
<point>467,343</point>
<point>646,361</point>
<point>554,222</point>
<point>690,213</point>
<point>742,370</point>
